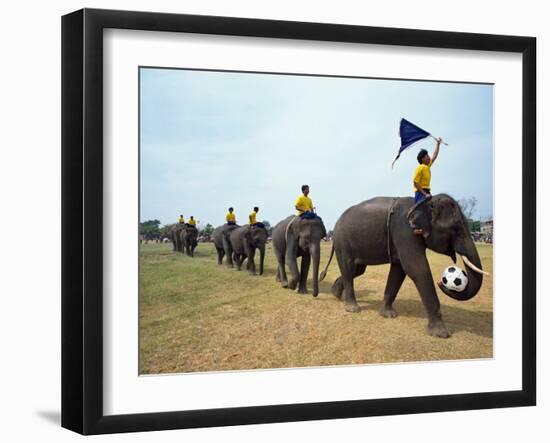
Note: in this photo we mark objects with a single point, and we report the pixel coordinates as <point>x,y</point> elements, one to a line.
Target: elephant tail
<point>324,273</point>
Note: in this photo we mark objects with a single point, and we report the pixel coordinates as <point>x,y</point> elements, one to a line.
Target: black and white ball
<point>454,278</point>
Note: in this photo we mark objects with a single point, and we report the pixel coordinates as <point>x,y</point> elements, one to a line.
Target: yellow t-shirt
<point>181,220</point>
<point>252,218</point>
<point>192,222</point>
<point>230,217</point>
<point>304,203</point>
<point>422,176</point>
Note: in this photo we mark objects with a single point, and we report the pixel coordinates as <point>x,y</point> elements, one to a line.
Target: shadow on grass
<point>457,319</point>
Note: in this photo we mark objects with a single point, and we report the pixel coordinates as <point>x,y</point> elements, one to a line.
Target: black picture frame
<point>82,217</point>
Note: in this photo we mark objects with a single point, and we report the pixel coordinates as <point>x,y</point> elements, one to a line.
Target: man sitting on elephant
<point>304,205</point>
<point>192,222</point>
<point>252,218</point>
<point>230,218</point>
<point>421,183</point>
<point>181,220</point>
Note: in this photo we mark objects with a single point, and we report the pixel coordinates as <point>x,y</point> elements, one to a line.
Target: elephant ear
<point>421,216</point>
<point>444,213</point>
<point>248,234</point>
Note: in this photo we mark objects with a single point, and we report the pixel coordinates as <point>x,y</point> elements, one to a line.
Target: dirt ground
<point>198,316</point>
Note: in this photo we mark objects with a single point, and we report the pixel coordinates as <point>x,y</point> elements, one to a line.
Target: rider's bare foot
<point>418,231</point>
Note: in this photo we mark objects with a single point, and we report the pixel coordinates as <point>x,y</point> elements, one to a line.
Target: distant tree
<point>150,229</point>
<point>468,206</point>
<point>207,231</point>
<point>330,233</point>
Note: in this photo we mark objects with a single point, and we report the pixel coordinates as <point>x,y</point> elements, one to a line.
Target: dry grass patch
<point>198,316</point>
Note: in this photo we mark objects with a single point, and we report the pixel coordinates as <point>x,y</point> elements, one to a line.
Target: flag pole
<point>436,140</point>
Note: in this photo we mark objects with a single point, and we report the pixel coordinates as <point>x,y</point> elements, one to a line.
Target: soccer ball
<point>454,278</point>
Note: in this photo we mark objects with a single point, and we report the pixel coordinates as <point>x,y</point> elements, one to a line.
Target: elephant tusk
<point>472,266</point>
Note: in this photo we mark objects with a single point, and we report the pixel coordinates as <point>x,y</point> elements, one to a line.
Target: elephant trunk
<point>262,256</point>
<point>468,250</point>
<point>315,253</point>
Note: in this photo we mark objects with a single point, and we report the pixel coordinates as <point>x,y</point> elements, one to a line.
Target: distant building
<point>486,227</point>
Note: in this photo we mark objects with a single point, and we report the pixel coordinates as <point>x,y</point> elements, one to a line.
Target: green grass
<point>198,316</point>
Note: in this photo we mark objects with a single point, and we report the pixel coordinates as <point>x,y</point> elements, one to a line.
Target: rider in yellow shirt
<point>252,218</point>
<point>304,204</point>
<point>422,181</point>
<point>192,222</point>
<point>181,220</point>
<point>230,218</point>
<point>423,173</point>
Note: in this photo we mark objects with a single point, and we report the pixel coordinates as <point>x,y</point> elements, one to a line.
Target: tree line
<point>152,229</point>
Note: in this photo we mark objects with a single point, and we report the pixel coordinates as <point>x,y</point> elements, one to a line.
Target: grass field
<point>198,316</point>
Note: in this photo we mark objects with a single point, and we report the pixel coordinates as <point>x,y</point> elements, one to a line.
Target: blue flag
<point>410,134</point>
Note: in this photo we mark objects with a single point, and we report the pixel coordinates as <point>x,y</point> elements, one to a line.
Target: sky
<point>210,140</point>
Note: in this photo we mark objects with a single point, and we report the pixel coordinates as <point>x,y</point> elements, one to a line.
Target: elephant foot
<point>388,312</point>
<point>302,291</point>
<point>315,292</point>
<point>337,288</point>
<point>292,284</point>
<point>251,273</point>
<point>352,307</point>
<point>438,329</point>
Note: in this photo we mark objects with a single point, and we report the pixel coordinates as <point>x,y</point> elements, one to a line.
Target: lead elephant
<point>244,241</point>
<point>377,231</point>
<point>220,235</point>
<point>294,237</point>
<point>188,239</point>
<point>174,234</point>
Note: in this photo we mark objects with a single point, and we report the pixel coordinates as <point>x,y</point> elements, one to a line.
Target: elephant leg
<point>262,258</point>
<point>291,260</point>
<point>348,270</point>
<point>393,284</point>
<point>304,270</point>
<point>221,253</point>
<point>251,265</point>
<point>281,272</point>
<point>228,252</point>
<point>420,273</point>
<point>338,288</point>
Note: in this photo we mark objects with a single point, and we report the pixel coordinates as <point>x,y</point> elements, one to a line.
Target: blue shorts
<point>418,196</point>
<point>310,216</point>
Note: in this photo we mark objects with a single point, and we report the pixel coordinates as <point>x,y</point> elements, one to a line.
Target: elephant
<point>220,235</point>
<point>188,239</point>
<point>244,242</point>
<point>378,231</point>
<point>174,234</point>
<point>294,237</point>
